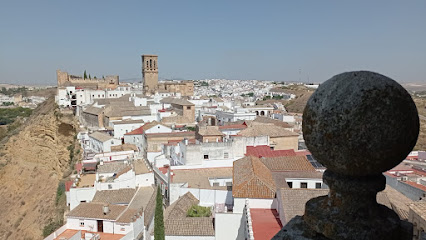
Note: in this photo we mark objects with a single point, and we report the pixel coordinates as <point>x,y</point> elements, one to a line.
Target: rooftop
<point>199,178</point>
<point>266,223</point>
<point>266,151</point>
<point>293,200</point>
<point>112,167</point>
<point>128,121</point>
<point>141,167</point>
<point>178,224</point>
<point>67,234</point>
<point>288,163</point>
<point>252,179</point>
<point>265,129</point>
<point>177,101</point>
<point>209,131</point>
<point>94,210</point>
<point>100,136</point>
<point>120,196</point>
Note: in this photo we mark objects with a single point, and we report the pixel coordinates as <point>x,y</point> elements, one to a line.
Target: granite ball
<point>360,123</point>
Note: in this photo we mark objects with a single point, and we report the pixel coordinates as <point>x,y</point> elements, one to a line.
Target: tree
<point>159,220</point>
<point>84,75</point>
<point>90,77</point>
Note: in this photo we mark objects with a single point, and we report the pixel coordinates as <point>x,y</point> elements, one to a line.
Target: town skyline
<point>278,41</point>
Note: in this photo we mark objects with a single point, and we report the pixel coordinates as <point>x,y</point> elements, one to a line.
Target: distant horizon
<point>275,41</point>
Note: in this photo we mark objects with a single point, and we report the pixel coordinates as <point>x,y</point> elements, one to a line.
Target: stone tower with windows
<point>150,72</point>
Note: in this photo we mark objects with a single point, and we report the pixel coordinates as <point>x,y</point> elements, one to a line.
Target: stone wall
<point>409,191</point>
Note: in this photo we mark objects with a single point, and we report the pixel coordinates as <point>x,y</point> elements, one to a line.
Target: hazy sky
<point>266,40</point>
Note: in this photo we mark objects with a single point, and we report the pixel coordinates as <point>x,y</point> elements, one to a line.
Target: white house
<point>125,126</point>
<point>102,142</point>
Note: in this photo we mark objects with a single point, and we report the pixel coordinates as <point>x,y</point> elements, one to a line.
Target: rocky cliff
<point>31,165</point>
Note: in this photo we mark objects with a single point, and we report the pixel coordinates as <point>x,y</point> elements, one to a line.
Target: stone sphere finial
<point>360,123</point>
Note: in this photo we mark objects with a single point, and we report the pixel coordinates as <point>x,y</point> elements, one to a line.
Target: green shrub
<point>51,227</point>
<point>199,211</point>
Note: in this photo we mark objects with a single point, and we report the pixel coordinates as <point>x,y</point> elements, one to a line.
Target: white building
<point>102,142</point>
<point>125,126</point>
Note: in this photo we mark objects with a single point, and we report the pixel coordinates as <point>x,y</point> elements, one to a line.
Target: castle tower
<point>150,72</point>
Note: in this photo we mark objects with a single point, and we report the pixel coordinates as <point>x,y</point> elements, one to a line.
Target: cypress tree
<point>159,221</point>
<point>84,75</point>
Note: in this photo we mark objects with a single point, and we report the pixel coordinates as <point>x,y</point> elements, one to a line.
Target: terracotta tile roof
<point>150,208</point>
<point>146,126</point>
<point>288,163</point>
<point>141,198</point>
<point>293,201</point>
<point>120,110</point>
<point>190,226</point>
<point>177,101</point>
<point>252,179</point>
<point>265,129</point>
<point>180,207</point>
<point>137,131</point>
<point>103,137</point>
<point>129,215</point>
<point>120,196</point>
<point>266,151</point>
<point>234,126</point>
<point>419,208</point>
<point>112,167</point>
<point>94,210</point>
<point>273,121</point>
<point>174,134</point>
<point>199,178</point>
<point>209,131</point>
<point>141,167</point>
<point>178,224</point>
<point>123,171</point>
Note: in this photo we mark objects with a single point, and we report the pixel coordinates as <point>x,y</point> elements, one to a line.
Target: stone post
<point>358,125</point>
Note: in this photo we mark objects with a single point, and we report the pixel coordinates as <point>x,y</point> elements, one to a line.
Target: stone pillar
<point>358,125</point>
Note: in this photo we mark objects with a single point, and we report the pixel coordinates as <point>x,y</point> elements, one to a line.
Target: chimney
<point>105,209</point>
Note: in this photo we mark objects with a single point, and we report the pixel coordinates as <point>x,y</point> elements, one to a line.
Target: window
<point>206,156</point>
<point>318,185</point>
<point>215,184</point>
<point>188,108</point>
<point>290,184</point>
<point>109,186</point>
<point>226,155</point>
<point>303,185</point>
<point>81,223</point>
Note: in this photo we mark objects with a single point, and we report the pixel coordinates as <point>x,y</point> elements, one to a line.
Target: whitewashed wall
<point>266,203</point>
<point>229,226</point>
<point>81,194</point>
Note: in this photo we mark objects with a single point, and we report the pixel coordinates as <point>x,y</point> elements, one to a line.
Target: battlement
<point>65,79</point>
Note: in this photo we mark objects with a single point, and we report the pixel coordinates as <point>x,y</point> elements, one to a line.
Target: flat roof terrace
<point>266,223</point>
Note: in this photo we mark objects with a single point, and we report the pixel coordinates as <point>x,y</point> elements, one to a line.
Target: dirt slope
<point>35,160</point>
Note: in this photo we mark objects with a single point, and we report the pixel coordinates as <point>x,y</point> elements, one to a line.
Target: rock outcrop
<point>34,162</point>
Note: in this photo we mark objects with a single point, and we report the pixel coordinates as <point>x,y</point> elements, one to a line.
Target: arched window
<point>155,64</point>
<point>257,113</point>
<point>150,63</point>
<point>147,64</point>
<point>262,113</point>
